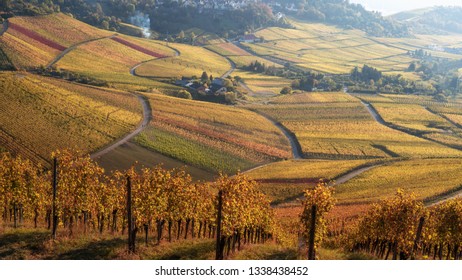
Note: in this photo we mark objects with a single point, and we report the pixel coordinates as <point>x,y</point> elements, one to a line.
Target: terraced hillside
<point>336,126</point>
<point>191,61</point>
<point>71,45</point>
<point>211,136</point>
<point>112,59</point>
<point>427,178</point>
<point>286,180</point>
<point>35,41</point>
<point>40,115</point>
<point>437,121</point>
<point>332,50</point>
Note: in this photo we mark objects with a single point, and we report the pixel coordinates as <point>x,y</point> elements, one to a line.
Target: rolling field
<point>111,61</point>
<point>286,180</point>
<point>40,115</point>
<point>345,130</point>
<point>412,116</point>
<point>314,97</point>
<point>238,55</point>
<point>35,41</point>
<point>60,28</point>
<point>192,61</point>
<point>425,177</point>
<point>211,136</point>
<point>329,49</point>
<point>310,170</point>
<point>256,82</point>
<point>438,121</point>
<point>260,83</point>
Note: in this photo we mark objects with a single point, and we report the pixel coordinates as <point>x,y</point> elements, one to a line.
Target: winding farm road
<point>352,174</point>
<point>294,144</point>
<point>373,112</point>
<point>147,116</point>
<point>133,69</point>
<point>437,199</point>
<point>230,71</point>
<point>73,47</point>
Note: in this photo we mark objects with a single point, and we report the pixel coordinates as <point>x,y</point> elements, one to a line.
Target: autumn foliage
<point>167,202</point>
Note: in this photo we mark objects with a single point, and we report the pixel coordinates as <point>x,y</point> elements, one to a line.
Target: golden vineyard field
<point>41,115</point>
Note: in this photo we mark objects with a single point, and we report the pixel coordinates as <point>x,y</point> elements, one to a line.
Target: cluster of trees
<point>366,74</point>
<point>259,67</point>
<point>401,227</point>
<point>447,19</point>
<point>345,14</point>
<point>419,53</point>
<point>369,79</point>
<point>171,18</point>
<point>167,202</point>
<point>107,14</point>
<point>69,76</point>
<point>440,77</point>
<point>303,80</point>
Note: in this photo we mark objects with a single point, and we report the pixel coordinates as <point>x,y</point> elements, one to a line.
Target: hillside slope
<point>40,115</point>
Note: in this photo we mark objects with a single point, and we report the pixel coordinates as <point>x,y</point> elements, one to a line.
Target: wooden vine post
<point>131,241</point>
<point>219,251</point>
<point>311,250</point>
<point>417,237</point>
<point>54,213</point>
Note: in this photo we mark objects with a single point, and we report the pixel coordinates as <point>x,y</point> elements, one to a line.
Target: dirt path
<point>444,197</point>
<point>4,27</point>
<point>352,174</point>
<point>336,182</point>
<point>147,116</point>
<point>373,112</point>
<point>133,69</point>
<point>294,144</point>
<point>73,47</point>
<point>230,71</point>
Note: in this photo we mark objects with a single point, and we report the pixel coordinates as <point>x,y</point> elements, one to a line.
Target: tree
<point>228,84</point>
<point>131,8</point>
<point>105,24</point>
<point>412,67</point>
<point>286,90</point>
<point>193,37</point>
<point>184,94</point>
<point>181,35</point>
<point>5,5</point>
<point>204,77</point>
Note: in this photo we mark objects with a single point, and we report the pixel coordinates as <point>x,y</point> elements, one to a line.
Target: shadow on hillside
<point>21,245</point>
<point>195,251</point>
<point>95,250</point>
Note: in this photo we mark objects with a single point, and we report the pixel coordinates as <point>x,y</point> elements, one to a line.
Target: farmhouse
<point>249,38</point>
